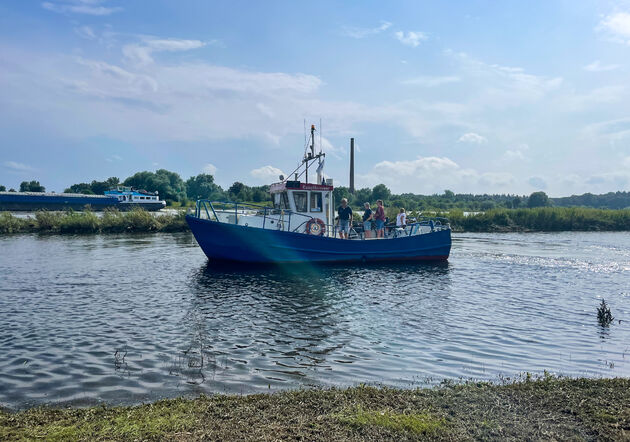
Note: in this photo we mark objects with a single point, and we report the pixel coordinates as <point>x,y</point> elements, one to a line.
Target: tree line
<point>170,186</point>
<point>174,189</point>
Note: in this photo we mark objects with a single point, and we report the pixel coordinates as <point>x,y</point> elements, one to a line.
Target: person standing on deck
<point>345,218</point>
<point>368,215</point>
<point>379,218</point>
<point>401,219</point>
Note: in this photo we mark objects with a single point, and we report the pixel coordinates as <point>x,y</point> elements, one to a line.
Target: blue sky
<point>472,96</point>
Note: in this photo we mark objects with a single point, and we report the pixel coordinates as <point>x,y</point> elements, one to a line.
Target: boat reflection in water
<point>291,325</point>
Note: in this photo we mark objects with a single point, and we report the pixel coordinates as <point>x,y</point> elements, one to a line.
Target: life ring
<point>316,226</point>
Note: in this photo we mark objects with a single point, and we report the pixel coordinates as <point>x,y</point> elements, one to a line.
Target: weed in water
<point>604,316</point>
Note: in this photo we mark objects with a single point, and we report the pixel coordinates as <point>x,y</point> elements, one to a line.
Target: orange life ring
<point>316,226</point>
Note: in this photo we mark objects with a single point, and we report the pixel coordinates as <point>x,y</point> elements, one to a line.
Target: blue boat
<point>300,228</point>
<point>121,198</point>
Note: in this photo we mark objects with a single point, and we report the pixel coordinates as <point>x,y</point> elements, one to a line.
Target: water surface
<point>131,318</point>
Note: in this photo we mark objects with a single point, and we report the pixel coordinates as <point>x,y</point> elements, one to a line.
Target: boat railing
<point>255,215</point>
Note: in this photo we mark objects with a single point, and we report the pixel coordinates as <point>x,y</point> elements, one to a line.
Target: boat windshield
<point>281,201</point>
<point>300,201</point>
<point>316,201</point>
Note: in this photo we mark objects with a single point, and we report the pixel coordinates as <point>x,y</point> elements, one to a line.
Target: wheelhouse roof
<point>297,185</point>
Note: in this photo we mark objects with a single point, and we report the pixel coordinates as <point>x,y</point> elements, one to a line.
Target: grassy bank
<point>88,222</point>
<point>546,409</point>
<point>542,219</point>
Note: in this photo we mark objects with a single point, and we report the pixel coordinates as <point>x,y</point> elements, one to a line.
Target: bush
<point>79,222</point>
<point>48,221</point>
<point>11,224</point>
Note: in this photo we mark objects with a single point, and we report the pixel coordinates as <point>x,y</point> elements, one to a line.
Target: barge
<point>121,198</point>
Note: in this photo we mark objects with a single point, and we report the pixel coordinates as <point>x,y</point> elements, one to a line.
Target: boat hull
<point>230,242</point>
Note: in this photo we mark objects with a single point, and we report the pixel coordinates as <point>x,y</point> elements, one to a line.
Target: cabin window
<point>316,202</point>
<point>284,201</point>
<point>300,201</point>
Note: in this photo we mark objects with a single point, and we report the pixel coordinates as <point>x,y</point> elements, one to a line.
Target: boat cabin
<point>313,200</point>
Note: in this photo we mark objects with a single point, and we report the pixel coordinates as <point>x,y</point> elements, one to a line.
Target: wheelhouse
<point>312,200</point>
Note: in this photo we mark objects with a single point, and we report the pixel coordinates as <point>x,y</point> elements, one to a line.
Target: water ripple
<point>123,319</point>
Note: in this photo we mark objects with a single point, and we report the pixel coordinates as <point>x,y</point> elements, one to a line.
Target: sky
<point>472,96</point>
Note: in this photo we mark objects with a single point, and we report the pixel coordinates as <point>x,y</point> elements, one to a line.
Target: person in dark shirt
<point>368,215</point>
<point>345,218</point>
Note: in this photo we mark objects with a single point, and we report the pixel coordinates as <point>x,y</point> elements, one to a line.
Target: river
<point>132,318</point>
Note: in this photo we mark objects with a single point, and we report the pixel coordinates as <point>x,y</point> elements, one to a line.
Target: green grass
<point>534,409</point>
<point>544,219</point>
<point>415,423</point>
<point>112,221</point>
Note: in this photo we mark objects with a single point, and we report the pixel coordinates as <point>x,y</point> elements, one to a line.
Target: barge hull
<point>31,201</point>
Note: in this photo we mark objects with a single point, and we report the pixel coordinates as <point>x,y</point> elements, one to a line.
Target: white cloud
<point>88,7</point>
<point>503,87</point>
<point>427,81</point>
<point>516,153</point>
<point>431,175</point>
<point>209,168</point>
<point>411,38</point>
<point>616,26</point>
<point>537,182</point>
<point>140,54</point>
<point>17,167</point>
<point>472,137</point>
<point>354,32</point>
<point>588,100</point>
<point>330,149</point>
<point>113,158</point>
<point>267,174</point>
<point>596,66</point>
<point>265,110</point>
<point>85,32</point>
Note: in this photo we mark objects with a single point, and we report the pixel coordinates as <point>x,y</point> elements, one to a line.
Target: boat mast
<point>310,155</point>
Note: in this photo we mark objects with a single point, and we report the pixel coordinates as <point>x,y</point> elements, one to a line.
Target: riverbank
<point>111,221</point>
<point>542,219</point>
<point>548,408</point>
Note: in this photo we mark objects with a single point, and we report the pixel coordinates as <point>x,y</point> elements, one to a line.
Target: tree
<point>538,199</point>
<point>449,194</point>
<point>260,194</point>
<point>381,192</point>
<point>99,187</point>
<point>240,192</point>
<point>32,186</point>
<point>95,187</point>
<point>83,188</point>
<point>516,202</point>
<point>340,193</point>
<point>363,195</point>
<point>169,184</point>
<point>3,189</point>
<point>202,186</point>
